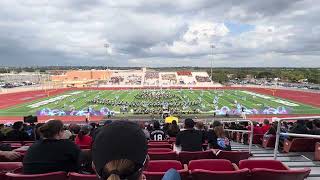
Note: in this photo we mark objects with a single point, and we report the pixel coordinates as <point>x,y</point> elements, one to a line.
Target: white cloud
<point>159,33</point>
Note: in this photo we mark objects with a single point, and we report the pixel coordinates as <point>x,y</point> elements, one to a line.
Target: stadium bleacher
<point>297,161</point>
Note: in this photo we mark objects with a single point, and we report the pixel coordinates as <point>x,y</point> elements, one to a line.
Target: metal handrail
<point>244,131</point>
<point>278,133</point>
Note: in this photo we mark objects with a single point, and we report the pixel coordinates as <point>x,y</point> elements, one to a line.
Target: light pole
<point>212,46</point>
<point>107,47</point>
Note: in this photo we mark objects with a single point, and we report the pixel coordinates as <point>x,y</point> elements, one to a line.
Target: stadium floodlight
<point>212,46</point>
<point>107,46</point>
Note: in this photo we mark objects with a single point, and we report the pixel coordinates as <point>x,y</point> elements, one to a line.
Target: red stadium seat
<point>156,169</point>
<point>160,146</point>
<point>272,169</point>
<point>269,141</point>
<point>233,156</point>
<point>217,169</point>
<point>5,167</point>
<point>163,155</point>
<point>77,176</point>
<point>84,147</point>
<point>269,174</point>
<point>317,152</point>
<point>299,145</point>
<point>172,140</point>
<point>268,164</point>
<point>46,176</point>
<point>185,157</point>
<point>159,150</point>
<point>27,143</point>
<point>157,142</point>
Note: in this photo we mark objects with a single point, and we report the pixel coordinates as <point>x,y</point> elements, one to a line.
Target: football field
<point>101,102</point>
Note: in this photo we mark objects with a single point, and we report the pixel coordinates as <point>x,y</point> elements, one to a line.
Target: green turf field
<point>79,100</point>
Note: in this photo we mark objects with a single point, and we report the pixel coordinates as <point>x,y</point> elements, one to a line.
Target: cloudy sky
<point>244,33</point>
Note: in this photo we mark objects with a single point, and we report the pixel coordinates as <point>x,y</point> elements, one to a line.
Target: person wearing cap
<point>83,138</point>
<point>120,151</point>
<point>190,139</point>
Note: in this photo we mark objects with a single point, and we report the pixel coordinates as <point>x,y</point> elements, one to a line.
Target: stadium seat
<point>185,157</point>
<point>269,141</point>
<point>77,176</point>
<point>217,169</point>
<point>172,140</point>
<point>157,142</point>
<point>156,169</point>
<point>27,143</point>
<point>267,164</point>
<point>299,145</point>
<point>317,152</point>
<point>160,146</point>
<point>84,147</point>
<point>6,167</point>
<point>163,155</point>
<point>46,176</point>
<point>272,169</point>
<point>233,156</point>
<point>159,150</point>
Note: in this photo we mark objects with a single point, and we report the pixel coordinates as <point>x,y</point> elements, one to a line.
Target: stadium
<point>159,90</point>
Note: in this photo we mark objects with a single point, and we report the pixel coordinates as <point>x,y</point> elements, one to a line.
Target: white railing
<point>243,131</point>
<point>278,133</point>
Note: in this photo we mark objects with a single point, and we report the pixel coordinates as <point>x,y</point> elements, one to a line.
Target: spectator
<point>74,129</point>
<point>51,153</point>
<point>17,133</point>
<point>223,142</point>
<point>146,132</point>
<point>211,135</point>
<point>200,127</point>
<point>299,128</point>
<point>189,139</point>
<point>83,138</point>
<point>173,129</point>
<point>266,126</point>
<point>316,127</point>
<point>123,157</point>
<point>157,134</point>
<point>36,130</point>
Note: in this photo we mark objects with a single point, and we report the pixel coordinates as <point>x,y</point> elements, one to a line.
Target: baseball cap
<point>119,140</point>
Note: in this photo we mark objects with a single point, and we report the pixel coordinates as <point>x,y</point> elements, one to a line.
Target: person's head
<point>120,151</point>
<point>156,125</point>
<point>266,122</point>
<point>309,124</point>
<point>218,130</point>
<point>174,122</point>
<point>53,129</point>
<point>300,122</point>
<point>216,123</point>
<point>18,125</point>
<point>199,125</point>
<point>1,126</point>
<point>107,122</point>
<point>316,123</point>
<point>188,123</point>
<point>93,125</point>
<point>74,128</point>
<point>85,130</point>
<point>37,131</point>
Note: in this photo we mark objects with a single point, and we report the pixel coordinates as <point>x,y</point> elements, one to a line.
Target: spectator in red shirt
<point>266,126</point>
<point>83,138</point>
